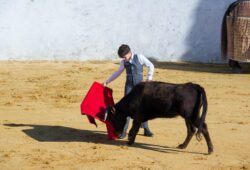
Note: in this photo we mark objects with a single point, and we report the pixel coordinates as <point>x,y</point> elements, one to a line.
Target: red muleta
<point>94,106</point>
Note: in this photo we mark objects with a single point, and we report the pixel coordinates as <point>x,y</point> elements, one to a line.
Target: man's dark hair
<point>123,50</point>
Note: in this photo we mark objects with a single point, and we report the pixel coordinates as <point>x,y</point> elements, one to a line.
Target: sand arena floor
<point>41,126</point>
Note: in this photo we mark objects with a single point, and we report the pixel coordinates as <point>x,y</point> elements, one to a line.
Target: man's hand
<point>104,84</point>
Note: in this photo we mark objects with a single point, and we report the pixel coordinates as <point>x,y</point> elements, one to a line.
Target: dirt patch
<point>41,126</point>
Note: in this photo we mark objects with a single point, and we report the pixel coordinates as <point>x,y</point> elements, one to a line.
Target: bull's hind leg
<point>190,134</point>
<point>207,137</point>
<point>133,132</point>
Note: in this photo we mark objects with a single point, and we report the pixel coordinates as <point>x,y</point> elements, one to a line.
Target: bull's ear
<point>112,109</point>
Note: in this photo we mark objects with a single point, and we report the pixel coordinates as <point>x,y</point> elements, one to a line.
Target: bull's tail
<point>204,112</point>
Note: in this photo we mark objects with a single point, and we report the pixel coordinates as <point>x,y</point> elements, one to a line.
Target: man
<point>133,64</point>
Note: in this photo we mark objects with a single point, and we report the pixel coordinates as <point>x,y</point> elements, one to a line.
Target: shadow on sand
<point>48,133</point>
<point>200,67</point>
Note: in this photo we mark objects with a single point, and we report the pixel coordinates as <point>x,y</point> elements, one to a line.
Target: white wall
<point>166,30</point>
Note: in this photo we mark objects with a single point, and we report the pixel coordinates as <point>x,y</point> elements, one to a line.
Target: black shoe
<point>148,133</point>
<point>122,135</point>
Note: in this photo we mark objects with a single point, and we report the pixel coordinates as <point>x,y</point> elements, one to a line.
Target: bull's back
<point>162,99</point>
<point>167,90</point>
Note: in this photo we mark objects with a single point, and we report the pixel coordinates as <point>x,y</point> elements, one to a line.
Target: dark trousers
<point>128,88</point>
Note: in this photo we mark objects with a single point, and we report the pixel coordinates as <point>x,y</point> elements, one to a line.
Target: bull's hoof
<point>210,150</point>
<point>130,143</point>
<point>182,146</point>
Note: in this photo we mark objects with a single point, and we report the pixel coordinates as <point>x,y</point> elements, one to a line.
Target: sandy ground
<point>41,126</point>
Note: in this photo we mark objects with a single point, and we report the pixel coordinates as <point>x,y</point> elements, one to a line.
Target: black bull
<point>149,100</point>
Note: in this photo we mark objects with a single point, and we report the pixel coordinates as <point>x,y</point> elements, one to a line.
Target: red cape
<point>94,106</point>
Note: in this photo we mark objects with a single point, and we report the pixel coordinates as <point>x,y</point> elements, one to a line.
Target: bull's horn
<point>106,115</point>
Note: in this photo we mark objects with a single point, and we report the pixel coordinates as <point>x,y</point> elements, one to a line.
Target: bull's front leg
<point>133,132</point>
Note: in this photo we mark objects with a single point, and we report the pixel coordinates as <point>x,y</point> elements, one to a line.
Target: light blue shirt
<point>143,61</point>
